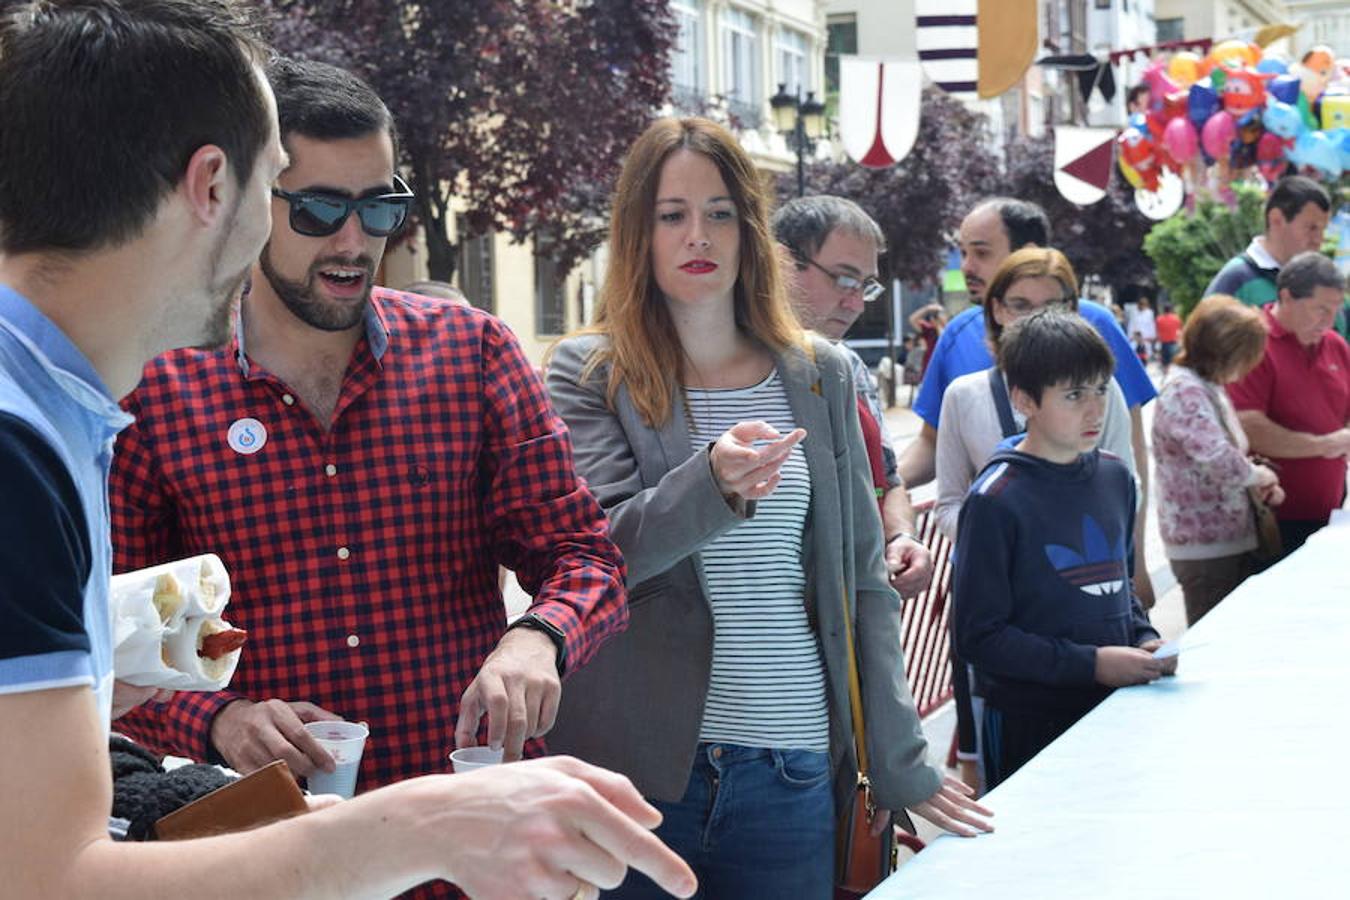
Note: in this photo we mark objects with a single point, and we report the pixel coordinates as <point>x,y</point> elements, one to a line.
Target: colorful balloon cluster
<point>1236,108</point>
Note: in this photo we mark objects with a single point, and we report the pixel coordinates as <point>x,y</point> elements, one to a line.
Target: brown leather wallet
<point>267,795</point>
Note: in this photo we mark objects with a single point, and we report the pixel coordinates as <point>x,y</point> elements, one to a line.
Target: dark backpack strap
<point>1256,269</point>
<point>1002,403</point>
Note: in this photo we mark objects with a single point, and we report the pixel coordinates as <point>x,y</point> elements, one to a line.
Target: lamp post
<point>802,122</point>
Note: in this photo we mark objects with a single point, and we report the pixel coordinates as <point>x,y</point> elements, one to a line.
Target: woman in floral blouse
<point>1200,450</point>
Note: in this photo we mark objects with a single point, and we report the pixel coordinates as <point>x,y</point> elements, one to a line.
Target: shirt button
<point>330,470</point>
<point>343,553</point>
<point>353,640</point>
<point>288,399</point>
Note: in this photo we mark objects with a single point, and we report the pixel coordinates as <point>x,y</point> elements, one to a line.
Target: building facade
<point>732,57</point>
<point>1221,19</point>
<point>1320,22</point>
<point>1118,25</point>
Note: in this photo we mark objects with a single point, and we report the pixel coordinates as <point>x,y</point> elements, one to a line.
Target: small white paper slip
<point>1168,650</point>
<point>1173,648</point>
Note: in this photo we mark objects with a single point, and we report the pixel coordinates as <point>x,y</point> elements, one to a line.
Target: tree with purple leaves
<point>1105,239</point>
<point>919,201</point>
<point>520,112</point>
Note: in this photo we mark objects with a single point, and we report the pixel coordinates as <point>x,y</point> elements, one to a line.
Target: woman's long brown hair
<point>644,351</point>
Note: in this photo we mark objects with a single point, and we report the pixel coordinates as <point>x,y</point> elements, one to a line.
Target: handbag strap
<point>1002,403</point>
<point>854,690</point>
<point>1252,493</point>
<point>1218,412</point>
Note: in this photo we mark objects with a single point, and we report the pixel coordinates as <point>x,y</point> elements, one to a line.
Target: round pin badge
<point>246,436</point>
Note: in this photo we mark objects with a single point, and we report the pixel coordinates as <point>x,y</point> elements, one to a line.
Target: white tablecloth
<point>1226,781</point>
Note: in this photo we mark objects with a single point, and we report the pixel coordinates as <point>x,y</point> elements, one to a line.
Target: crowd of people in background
<point>699,492</point>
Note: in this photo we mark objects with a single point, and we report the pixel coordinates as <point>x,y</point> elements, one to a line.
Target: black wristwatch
<point>536,622</point>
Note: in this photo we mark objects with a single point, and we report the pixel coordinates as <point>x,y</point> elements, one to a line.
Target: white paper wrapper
<point>158,612</point>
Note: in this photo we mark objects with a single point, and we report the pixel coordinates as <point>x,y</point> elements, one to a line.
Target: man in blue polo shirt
<point>139,149</point>
<point>989,233</point>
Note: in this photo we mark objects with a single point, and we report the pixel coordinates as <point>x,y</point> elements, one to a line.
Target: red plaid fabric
<point>364,558</point>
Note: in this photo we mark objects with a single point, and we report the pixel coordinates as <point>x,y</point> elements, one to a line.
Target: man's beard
<point>304,303</point>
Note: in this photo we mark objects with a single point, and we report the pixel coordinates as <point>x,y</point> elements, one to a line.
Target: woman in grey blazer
<point>725,447</point>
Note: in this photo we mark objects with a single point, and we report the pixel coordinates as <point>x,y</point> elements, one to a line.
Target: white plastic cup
<point>469,759</point>
<point>344,741</point>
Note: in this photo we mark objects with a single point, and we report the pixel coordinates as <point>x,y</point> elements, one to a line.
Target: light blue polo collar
<point>58,356</point>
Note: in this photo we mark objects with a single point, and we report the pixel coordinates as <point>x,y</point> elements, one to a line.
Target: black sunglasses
<point>316,214</point>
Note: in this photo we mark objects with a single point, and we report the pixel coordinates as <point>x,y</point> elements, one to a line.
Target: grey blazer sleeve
<point>896,747</point>
<point>654,526</point>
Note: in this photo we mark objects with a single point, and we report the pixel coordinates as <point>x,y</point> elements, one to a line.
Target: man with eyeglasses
<point>362,460</point>
<point>833,246</point>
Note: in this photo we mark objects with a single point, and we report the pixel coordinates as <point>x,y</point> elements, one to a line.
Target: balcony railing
<point>745,114</point>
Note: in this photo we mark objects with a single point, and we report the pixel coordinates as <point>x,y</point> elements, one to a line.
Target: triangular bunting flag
<point>1083,163</point>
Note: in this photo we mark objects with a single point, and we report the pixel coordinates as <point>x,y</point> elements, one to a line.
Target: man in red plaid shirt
<point>363,460</point>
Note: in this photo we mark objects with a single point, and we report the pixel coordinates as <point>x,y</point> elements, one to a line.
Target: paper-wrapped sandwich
<point>168,626</point>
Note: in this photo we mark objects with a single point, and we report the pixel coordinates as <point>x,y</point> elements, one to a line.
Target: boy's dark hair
<point>1052,347</point>
<point>1023,222</point>
<point>803,224</point>
<point>1135,93</point>
<point>1292,194</point>
<point>326,103</point>
<point>105,101</point>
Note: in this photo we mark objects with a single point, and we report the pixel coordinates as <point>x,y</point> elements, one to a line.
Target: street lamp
<point>802,122</point>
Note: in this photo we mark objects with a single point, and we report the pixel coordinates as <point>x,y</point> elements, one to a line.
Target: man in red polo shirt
<point>1295,405</point>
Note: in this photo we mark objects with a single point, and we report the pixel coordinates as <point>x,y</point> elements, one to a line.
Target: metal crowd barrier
<point>924,622</point>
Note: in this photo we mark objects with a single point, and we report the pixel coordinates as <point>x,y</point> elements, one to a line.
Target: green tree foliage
<point>520,111</point>
<point>1189,249</point>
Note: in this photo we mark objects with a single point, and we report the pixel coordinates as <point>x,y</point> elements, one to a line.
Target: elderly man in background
<point>1295,405</point>
<point>833,247</point>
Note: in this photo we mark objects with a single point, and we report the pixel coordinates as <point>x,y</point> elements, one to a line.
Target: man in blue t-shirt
<point>989,233</point>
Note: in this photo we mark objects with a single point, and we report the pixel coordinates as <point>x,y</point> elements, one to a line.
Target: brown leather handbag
<point>1269,544</point>
<point>861,860</point>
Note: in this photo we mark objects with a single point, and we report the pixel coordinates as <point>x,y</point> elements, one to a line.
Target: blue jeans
<point>752,823</point>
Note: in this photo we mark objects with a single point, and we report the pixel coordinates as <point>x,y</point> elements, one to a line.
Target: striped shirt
<point>768,681</point>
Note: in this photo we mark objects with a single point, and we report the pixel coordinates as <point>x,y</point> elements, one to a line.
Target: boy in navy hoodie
<point>1047,616</point>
